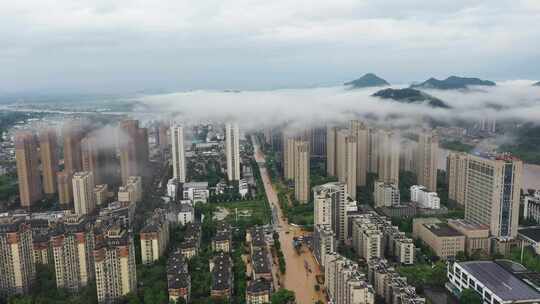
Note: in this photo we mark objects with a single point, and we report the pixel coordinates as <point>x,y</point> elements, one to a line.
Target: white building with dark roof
<point>497,282</point>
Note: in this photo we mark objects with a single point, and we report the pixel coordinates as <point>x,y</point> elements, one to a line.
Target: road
<point>297,276</point>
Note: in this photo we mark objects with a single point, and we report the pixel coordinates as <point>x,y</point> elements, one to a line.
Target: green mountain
<point>409,95</point>
<point>366,81</point>
<point>452,83</point>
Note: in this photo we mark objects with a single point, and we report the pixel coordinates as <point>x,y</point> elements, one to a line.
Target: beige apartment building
<point>330,201</point>
<point>427,154</point>
<point>101,193</point>
<point>71,133</point>
<point>361,132</point>
<point>49,159</point>
<point>289,144</point>
<point>444,240</point>
<point>346,160</point>
<point>331,138</point>
<point>476,236</point>
<point>492,193</point>
<point>456,169</point>
<point>373,151</point>
<point>65,188</point>
<point>232,150</point>
<point>98,159</point>
<point>407,161</point>
<point>72,245</point>
<point>133,149</point>
<point>345,282</point>
<point>132,191</point>
<point>367,239</point>
<point>83,192</point>
<point>389,286</point>
<point>114,260</point>
<point>178,153</point>
<point>26,156</point>
<point>301,171</point>
<point>17,268</point>
<point>388,154</point>
<point>154,237</point>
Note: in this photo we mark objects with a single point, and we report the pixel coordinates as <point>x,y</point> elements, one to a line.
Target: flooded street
<point>301,268</point>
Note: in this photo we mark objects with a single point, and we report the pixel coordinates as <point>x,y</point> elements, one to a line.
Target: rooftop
<point>259,286</point>
<point>500,281</point>
<point>467,225</point>
<point>442,230</point>
<point>532,233</point>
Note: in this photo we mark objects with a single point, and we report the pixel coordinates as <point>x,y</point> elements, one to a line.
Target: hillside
<point>409,95</point>
<point>452,83</point>
<point>366,81</point>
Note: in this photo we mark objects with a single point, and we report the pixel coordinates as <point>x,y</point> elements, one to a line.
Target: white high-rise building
<point>178,156</point>
<point>425,198</point>
<point>331,205</point>
<point>83,192</point>
<point>232,149</point>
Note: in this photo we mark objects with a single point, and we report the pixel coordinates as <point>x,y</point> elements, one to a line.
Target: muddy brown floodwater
<point>301,270</point>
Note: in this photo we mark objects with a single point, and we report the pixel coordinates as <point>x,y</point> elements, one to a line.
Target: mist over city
<point>270,152</point>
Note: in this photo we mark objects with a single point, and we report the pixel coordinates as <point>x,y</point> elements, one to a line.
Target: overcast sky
<point>134,45</point>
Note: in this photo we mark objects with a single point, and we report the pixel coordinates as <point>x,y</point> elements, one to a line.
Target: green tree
<point>460,256</point>
<point>469,296</point>
<point>283,296</point>
<point>20,300</point>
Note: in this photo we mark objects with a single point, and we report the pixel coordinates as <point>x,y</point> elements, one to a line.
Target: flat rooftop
<point>500,281</point>
<point>532,233</point>
<point>468,225</point>
<point>442,230</point>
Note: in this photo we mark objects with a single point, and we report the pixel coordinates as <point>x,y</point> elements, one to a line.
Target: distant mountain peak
<point>409,95</point>
<point>366,81</point>
<point>537,84</point>
<point>452,83</point>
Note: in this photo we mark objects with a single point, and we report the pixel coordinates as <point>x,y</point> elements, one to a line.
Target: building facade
<point>26,156</point>
<point>456,169</point>
<point>17,268</point>
<point>232,150</point>
<point>83,192</point>
<point>388,155</point>
<point>427,154</point>
<point>492,193</point>
<point>48,148</point>
<point>114,260</point>
<point>178,153</point>
<point>361,132</point>
<point>301,171</point>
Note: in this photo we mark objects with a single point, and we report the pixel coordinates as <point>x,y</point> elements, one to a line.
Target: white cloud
<point>518,99</point>
<point>134,44</point>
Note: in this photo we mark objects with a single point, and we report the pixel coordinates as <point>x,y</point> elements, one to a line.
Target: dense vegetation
<point>452,83</point>
<point>530,258</point>
<point>408,95</point>
<point>424,275</point>
<point>456,145</point>
<point>283,296</point>
<point>45,291</point>
<point>281,257</point>
<point>8,187</point>
<point>469,296</point>
<point>526,140</point>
